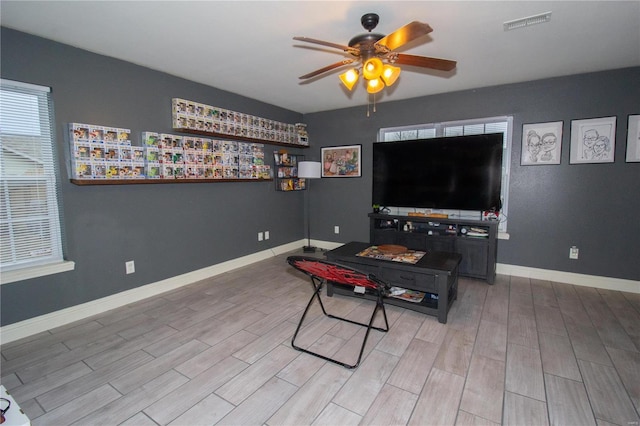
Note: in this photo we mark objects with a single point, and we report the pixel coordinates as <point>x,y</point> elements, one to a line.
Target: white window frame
<point>30,229</point>
<point>460,128</point>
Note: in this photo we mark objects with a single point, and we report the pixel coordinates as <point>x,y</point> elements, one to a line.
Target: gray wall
<point>171,229</point>
<point>168,229</point>
<point>551,207</point>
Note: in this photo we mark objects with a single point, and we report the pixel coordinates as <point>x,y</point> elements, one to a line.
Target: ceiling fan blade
<point>347,49</point>
<point>327,68</point>
<point>425,62</point>
<point>404,35</point>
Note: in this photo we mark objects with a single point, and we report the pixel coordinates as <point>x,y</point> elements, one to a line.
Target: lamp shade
<point>349,78</point>
<point>390,74</point>
<point>309,169</point>
<point>375,85</point>
<point>372,68</point>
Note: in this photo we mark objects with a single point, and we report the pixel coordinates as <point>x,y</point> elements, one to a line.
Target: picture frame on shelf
<point>541,143</point>
<point>342,161</point>
<point>633,139</point>
<point>593,140</point>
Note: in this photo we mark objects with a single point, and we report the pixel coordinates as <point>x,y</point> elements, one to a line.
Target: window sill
<point>36,271</point>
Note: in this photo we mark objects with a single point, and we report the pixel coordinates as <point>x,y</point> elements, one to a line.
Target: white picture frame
<point>341,161</point>
<point>541,143</point>
<point>633,139</point>
<point>593,140</point>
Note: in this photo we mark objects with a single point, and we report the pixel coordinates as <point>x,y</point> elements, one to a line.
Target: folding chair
<point>321,271</point>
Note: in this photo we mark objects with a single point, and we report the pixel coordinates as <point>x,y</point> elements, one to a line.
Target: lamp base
<point>309,249</point>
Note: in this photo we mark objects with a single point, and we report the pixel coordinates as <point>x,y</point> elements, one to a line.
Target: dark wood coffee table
<point>435,274</point>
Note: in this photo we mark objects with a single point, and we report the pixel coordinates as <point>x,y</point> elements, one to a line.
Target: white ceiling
<point>246,47</point>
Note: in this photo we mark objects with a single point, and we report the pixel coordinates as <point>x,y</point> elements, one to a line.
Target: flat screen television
<point>457,173</point>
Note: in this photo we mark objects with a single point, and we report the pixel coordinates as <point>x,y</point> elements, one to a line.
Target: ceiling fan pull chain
<point>369,103</point>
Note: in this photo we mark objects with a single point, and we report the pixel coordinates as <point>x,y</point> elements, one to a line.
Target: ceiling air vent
<point>540,18</point>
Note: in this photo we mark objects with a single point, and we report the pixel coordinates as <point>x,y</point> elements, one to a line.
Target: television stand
<point>435,274</point>
<point>475,240</point>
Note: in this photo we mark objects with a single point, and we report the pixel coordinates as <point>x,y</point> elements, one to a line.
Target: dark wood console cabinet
<point>475,240</point>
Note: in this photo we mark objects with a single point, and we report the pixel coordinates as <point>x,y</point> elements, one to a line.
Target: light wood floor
<point>519,352</point>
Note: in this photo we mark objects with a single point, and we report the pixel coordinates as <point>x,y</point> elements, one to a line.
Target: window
<point>29,216</point>
<point>460,128</point>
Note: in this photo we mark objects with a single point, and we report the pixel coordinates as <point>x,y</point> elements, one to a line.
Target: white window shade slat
<point>426,133</point>
<point>29,212</point>
<point>451,131</point>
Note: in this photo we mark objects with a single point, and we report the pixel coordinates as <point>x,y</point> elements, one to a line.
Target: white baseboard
<point>65,316</point>
<point>62,317</point>
<point>607,283</point>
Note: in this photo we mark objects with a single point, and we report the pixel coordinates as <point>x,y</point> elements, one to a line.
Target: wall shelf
<point>286,172</point>
<point>237,138</point>
<point>87,182</point>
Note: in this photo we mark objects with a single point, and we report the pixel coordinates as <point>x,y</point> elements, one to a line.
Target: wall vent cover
<point>540,18</point>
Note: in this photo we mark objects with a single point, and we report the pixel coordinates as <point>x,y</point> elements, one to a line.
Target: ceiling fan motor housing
<point>365,43</point>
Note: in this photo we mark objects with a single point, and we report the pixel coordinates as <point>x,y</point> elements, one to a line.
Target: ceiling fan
<point>376,53</point>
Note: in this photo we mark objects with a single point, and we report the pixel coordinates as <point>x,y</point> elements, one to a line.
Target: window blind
<point>29,213</point>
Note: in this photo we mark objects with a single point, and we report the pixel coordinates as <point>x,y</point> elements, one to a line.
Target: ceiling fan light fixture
<point>375,85</point>
<point>372,68</point>
<point>390,74</point>
<point>349,78</point>
<point>376,56</point>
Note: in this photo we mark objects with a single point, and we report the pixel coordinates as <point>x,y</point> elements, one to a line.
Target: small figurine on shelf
<point>80,131</point>
<point>303,136</point>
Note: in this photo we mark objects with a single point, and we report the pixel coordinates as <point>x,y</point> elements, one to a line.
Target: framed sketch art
<point>633,139</point>
<point>593,140</point>
<point>541,143</point>
<point>342,161</point>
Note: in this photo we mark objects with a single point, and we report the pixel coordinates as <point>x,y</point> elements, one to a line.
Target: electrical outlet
<point>266,235</point>
<point>130,267</point>
<point>336,229</point>
<point>573,252</point>
<point>260,236</point>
